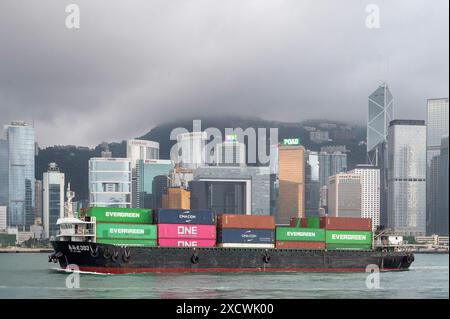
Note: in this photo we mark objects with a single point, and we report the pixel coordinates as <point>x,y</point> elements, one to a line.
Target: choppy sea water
<point>29,275</point>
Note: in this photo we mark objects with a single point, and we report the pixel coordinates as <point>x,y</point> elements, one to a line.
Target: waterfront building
<point>53,199</point>
<point>344,195</point>
<point>370,192</point>
<point>437,128</point>
<point>380,114</point>
<point>110,182</point>
<point>291,196</point>
<point>146,171</point>
<point>407,177</point>
<point>232,189</point>
<point>21,152</point>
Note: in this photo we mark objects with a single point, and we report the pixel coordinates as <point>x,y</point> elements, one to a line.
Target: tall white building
<point>3,224</point>
<point>230,153</point>
<point>110,182</point>
<point>407,177</point>
<point>53,199</point>
<point>191,150</point>
<point>139,150</point>
<point>142,150</point>
<point>370,192</point>
<point>344,195</point>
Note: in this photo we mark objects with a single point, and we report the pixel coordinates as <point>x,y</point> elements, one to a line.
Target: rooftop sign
<point>290,141</point>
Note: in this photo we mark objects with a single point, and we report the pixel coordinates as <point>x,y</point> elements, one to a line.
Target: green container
<point>349,247</point>
<point>121,215</point>
<point>299,234</point>
<point>126,231</point>
<point>128,242</point>
<point>348,237</point>
<point>313,222</point>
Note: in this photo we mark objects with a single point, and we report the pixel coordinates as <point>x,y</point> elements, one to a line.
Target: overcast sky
<point>135,64</point>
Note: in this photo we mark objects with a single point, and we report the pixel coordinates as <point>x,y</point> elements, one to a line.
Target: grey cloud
<point>134,64</point>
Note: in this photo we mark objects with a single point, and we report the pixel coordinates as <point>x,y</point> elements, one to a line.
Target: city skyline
<point>194,61</point>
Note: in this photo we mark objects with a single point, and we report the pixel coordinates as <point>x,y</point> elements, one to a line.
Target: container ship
<point>121,241</point>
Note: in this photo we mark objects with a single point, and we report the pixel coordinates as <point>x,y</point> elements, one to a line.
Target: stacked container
<point>300,238</point>
<point>186,228</point>
<point>250,231</point>
<point>124,226</point>
<point>347,233</point>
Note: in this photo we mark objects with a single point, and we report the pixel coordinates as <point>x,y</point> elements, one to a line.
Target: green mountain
<point>73,161</point>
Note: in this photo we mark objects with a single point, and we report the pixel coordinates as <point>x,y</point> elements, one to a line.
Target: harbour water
<point>29,275</point>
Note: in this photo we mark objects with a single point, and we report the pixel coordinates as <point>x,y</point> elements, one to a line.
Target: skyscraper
<point>4,172</point>
<point>53,199</point>
<point>21,149</point>
<point>38,205</point>
<point>370,192</point>
<point>192,150</point>
<point>407,177</point>
<point>146,171</point>
<point>437,128</point>
<point>344,195</point>
<point>443,210</point>
<point>312,184</point>
<point>291,198</point>
<point>331,163</point>
<point>380,114</point>
<point>110,182</point>
<point>139,150</point>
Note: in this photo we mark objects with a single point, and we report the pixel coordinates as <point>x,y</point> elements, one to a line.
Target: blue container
<point>248,236</point>
<point>181,216</point>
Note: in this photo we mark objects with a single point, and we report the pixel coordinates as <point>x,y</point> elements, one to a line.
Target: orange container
<point>245,221</point>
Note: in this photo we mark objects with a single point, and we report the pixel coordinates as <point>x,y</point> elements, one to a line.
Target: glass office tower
<point>21,149</point>
<point>380,114</point>
<point>407,177</point>
<point>437,128</point>
<point>110,182</point>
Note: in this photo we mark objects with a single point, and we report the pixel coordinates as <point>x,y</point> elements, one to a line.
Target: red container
<point>186,231</point>
<point>346,223</point>
<point>298,222</point>
<point>245,221</point>
<point>187,242</point>
<point>300,244</point>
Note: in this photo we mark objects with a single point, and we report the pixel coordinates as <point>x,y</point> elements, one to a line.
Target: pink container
<point>186,231</point>
<point>170,242</point>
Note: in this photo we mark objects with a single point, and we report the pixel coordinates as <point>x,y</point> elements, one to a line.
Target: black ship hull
<point>103,258</point>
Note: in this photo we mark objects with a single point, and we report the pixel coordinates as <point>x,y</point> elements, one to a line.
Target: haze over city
<point>132,66</point>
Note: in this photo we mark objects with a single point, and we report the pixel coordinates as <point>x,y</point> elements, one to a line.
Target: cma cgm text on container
<point>180,216</point>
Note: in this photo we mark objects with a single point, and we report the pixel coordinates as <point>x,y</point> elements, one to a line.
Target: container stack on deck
<point>332,233</point>
<point>249,231</point>
<point>186,228</point>
<point>344,233</point>
<point>124,226</point>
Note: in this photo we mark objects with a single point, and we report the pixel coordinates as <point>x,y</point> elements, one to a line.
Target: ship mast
<point>69,207</point>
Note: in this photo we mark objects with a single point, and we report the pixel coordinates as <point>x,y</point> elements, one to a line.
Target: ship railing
<point>83,232</point>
